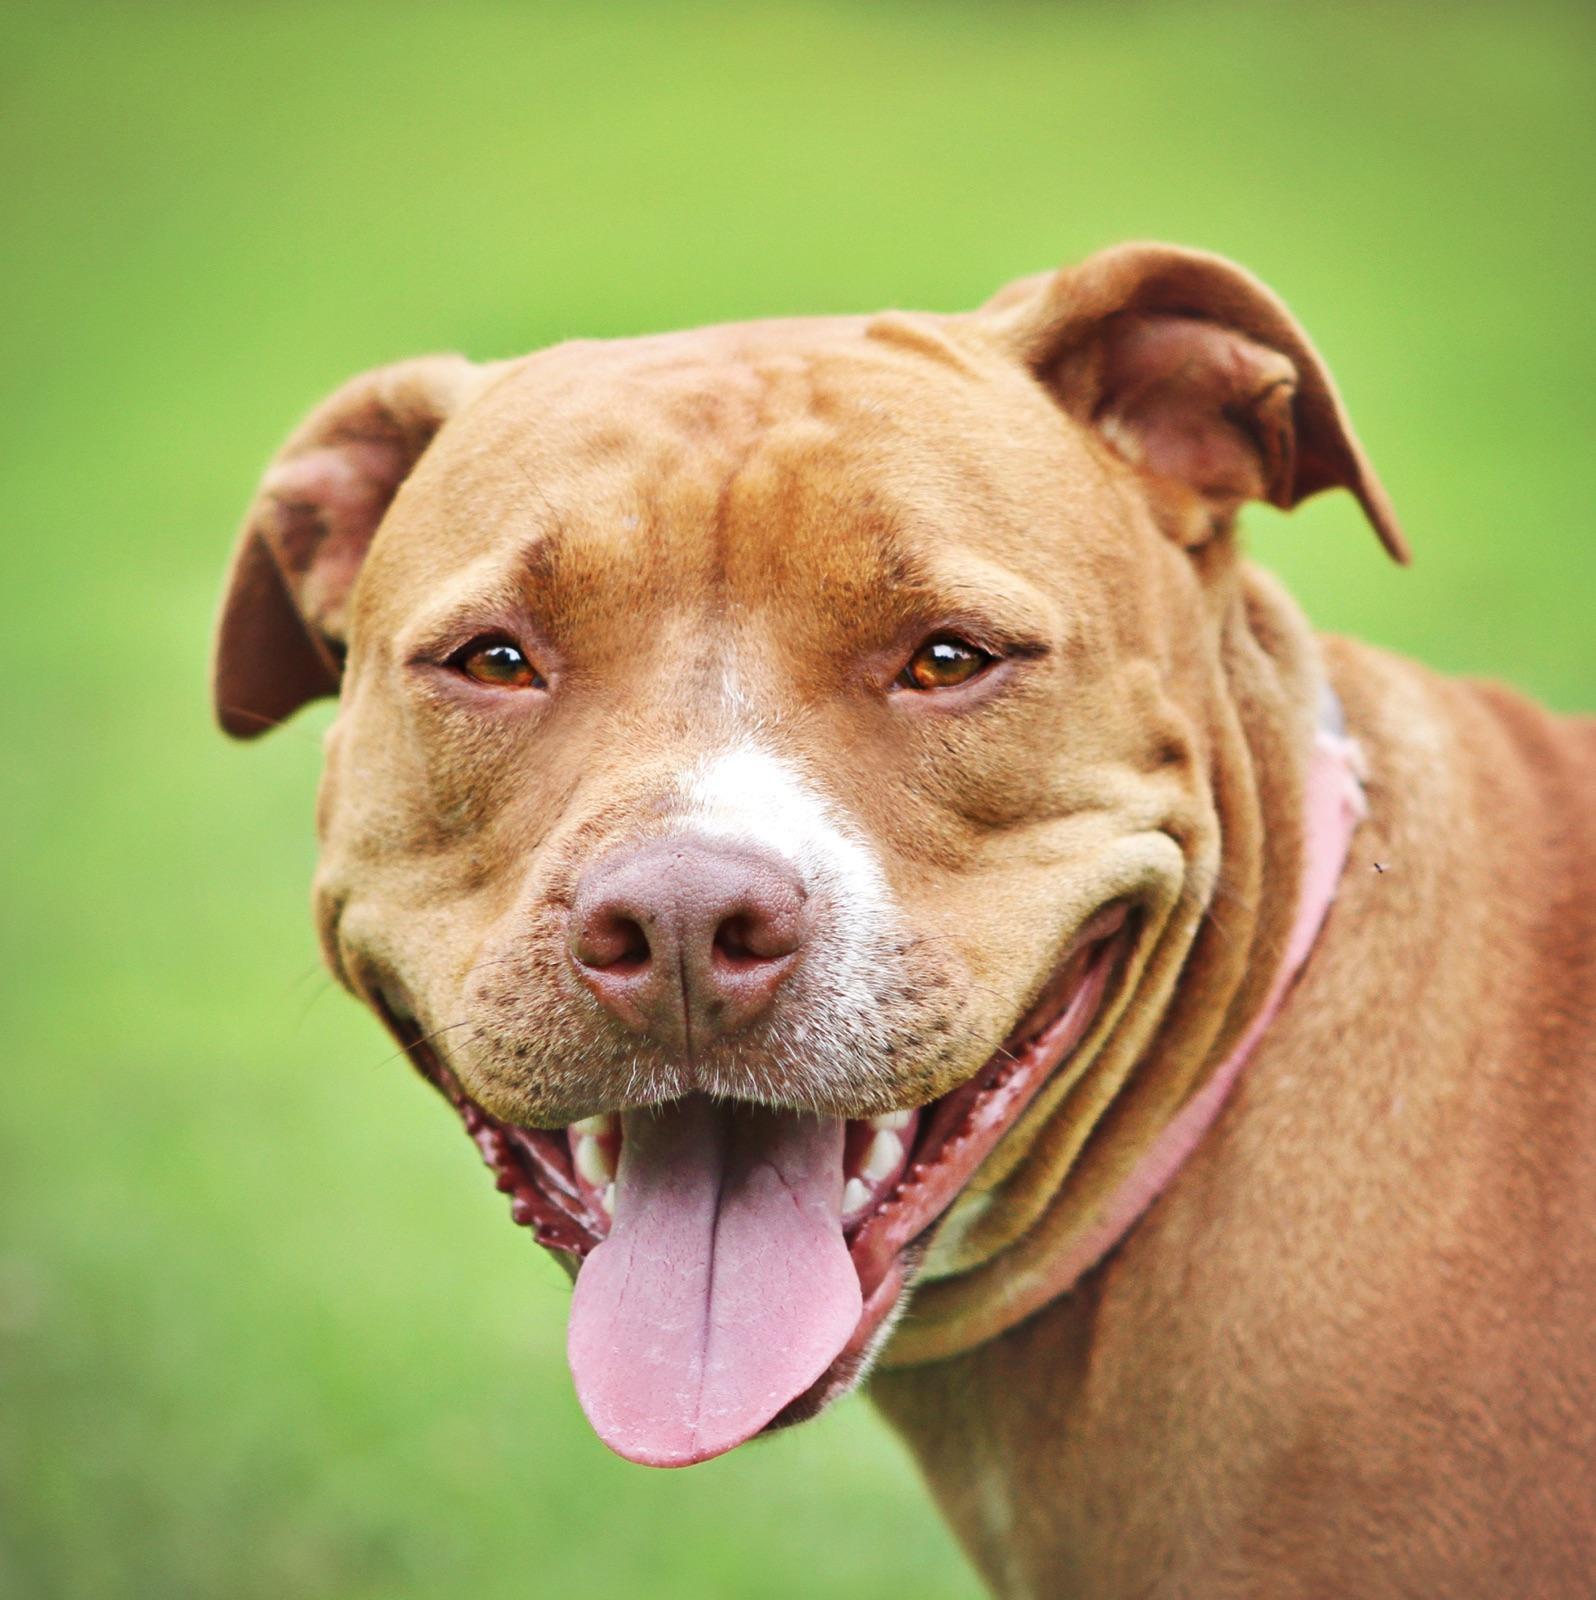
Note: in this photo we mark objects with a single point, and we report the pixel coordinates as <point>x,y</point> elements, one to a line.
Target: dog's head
<point>766,755</point>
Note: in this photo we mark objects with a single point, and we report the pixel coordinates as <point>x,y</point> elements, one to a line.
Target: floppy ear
<point>1196,374</point>
<point>280,641</point>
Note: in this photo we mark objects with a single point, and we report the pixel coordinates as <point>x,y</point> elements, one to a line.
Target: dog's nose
<point>687,939</point>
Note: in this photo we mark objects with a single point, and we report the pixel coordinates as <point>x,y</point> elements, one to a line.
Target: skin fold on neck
<point>1207,977</point>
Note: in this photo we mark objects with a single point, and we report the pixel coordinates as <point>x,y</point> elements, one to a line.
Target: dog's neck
<point>1288,795</point>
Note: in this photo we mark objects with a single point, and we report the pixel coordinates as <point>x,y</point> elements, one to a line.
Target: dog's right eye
<point>499,663</point>
<point>944,662</point>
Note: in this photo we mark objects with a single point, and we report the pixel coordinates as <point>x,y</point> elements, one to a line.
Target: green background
<point>264,1327</point>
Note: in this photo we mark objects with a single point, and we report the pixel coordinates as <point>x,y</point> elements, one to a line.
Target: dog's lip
<point>533,1166</point>
<point>965,1125</point>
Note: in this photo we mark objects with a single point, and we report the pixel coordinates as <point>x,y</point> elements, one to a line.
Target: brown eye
<point>944,663</point>
<point>497,663</point>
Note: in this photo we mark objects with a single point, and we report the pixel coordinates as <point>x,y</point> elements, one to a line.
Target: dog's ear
<point>1196,374</point>
<point>280,641</point>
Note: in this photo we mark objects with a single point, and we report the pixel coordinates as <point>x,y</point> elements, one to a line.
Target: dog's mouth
<point>738,1266</point>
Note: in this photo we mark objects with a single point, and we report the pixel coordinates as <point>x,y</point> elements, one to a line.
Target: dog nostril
<point>746,940</point>
<point>731,942</point>
<point>614,943</point>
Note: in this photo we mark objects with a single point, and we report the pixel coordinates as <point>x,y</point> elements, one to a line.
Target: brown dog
<point>829,804</point>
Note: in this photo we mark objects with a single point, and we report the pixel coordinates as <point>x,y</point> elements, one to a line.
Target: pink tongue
<point>724,1288</point>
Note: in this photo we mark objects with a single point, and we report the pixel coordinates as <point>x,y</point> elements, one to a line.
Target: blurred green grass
<point>264,1327</point>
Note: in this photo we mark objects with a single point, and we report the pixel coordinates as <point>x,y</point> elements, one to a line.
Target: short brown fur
<point>1349,1352</point>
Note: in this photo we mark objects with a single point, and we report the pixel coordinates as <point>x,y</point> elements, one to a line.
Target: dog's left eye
<point>500,663</point>
<point>944,663</point>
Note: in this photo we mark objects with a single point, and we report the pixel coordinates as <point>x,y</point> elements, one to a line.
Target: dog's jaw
<point>899,1172</point>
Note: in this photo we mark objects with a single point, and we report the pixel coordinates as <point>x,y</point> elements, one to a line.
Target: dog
<point>891,891</point>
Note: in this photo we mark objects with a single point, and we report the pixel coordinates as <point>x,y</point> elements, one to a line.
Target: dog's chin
<point>900,1172</point>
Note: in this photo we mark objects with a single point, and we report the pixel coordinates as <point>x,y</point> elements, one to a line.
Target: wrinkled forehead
<point>832,468</point>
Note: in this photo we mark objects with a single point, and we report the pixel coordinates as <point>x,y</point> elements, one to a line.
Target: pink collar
<point>1334,804</point>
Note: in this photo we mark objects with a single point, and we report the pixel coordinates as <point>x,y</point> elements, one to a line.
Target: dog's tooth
<point>607,1199</point>
<point>595,1127</point>
<point>855,1196</point>
<point>892,1122</point>
<point>592,1165</point>
<point>882,1158</point>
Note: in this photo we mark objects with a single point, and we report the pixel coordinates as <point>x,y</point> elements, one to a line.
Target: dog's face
<point>842,602</point>
<point>764,756</point>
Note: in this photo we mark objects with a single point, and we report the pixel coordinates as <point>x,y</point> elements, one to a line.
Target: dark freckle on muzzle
<point>686,939</point>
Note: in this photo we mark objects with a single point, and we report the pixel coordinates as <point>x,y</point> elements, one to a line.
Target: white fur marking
<point>747,793</point>
<point>840,1031</point>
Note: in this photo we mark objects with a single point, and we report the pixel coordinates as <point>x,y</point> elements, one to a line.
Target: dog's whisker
<point>327,987</point>
<point>425,1039</point>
